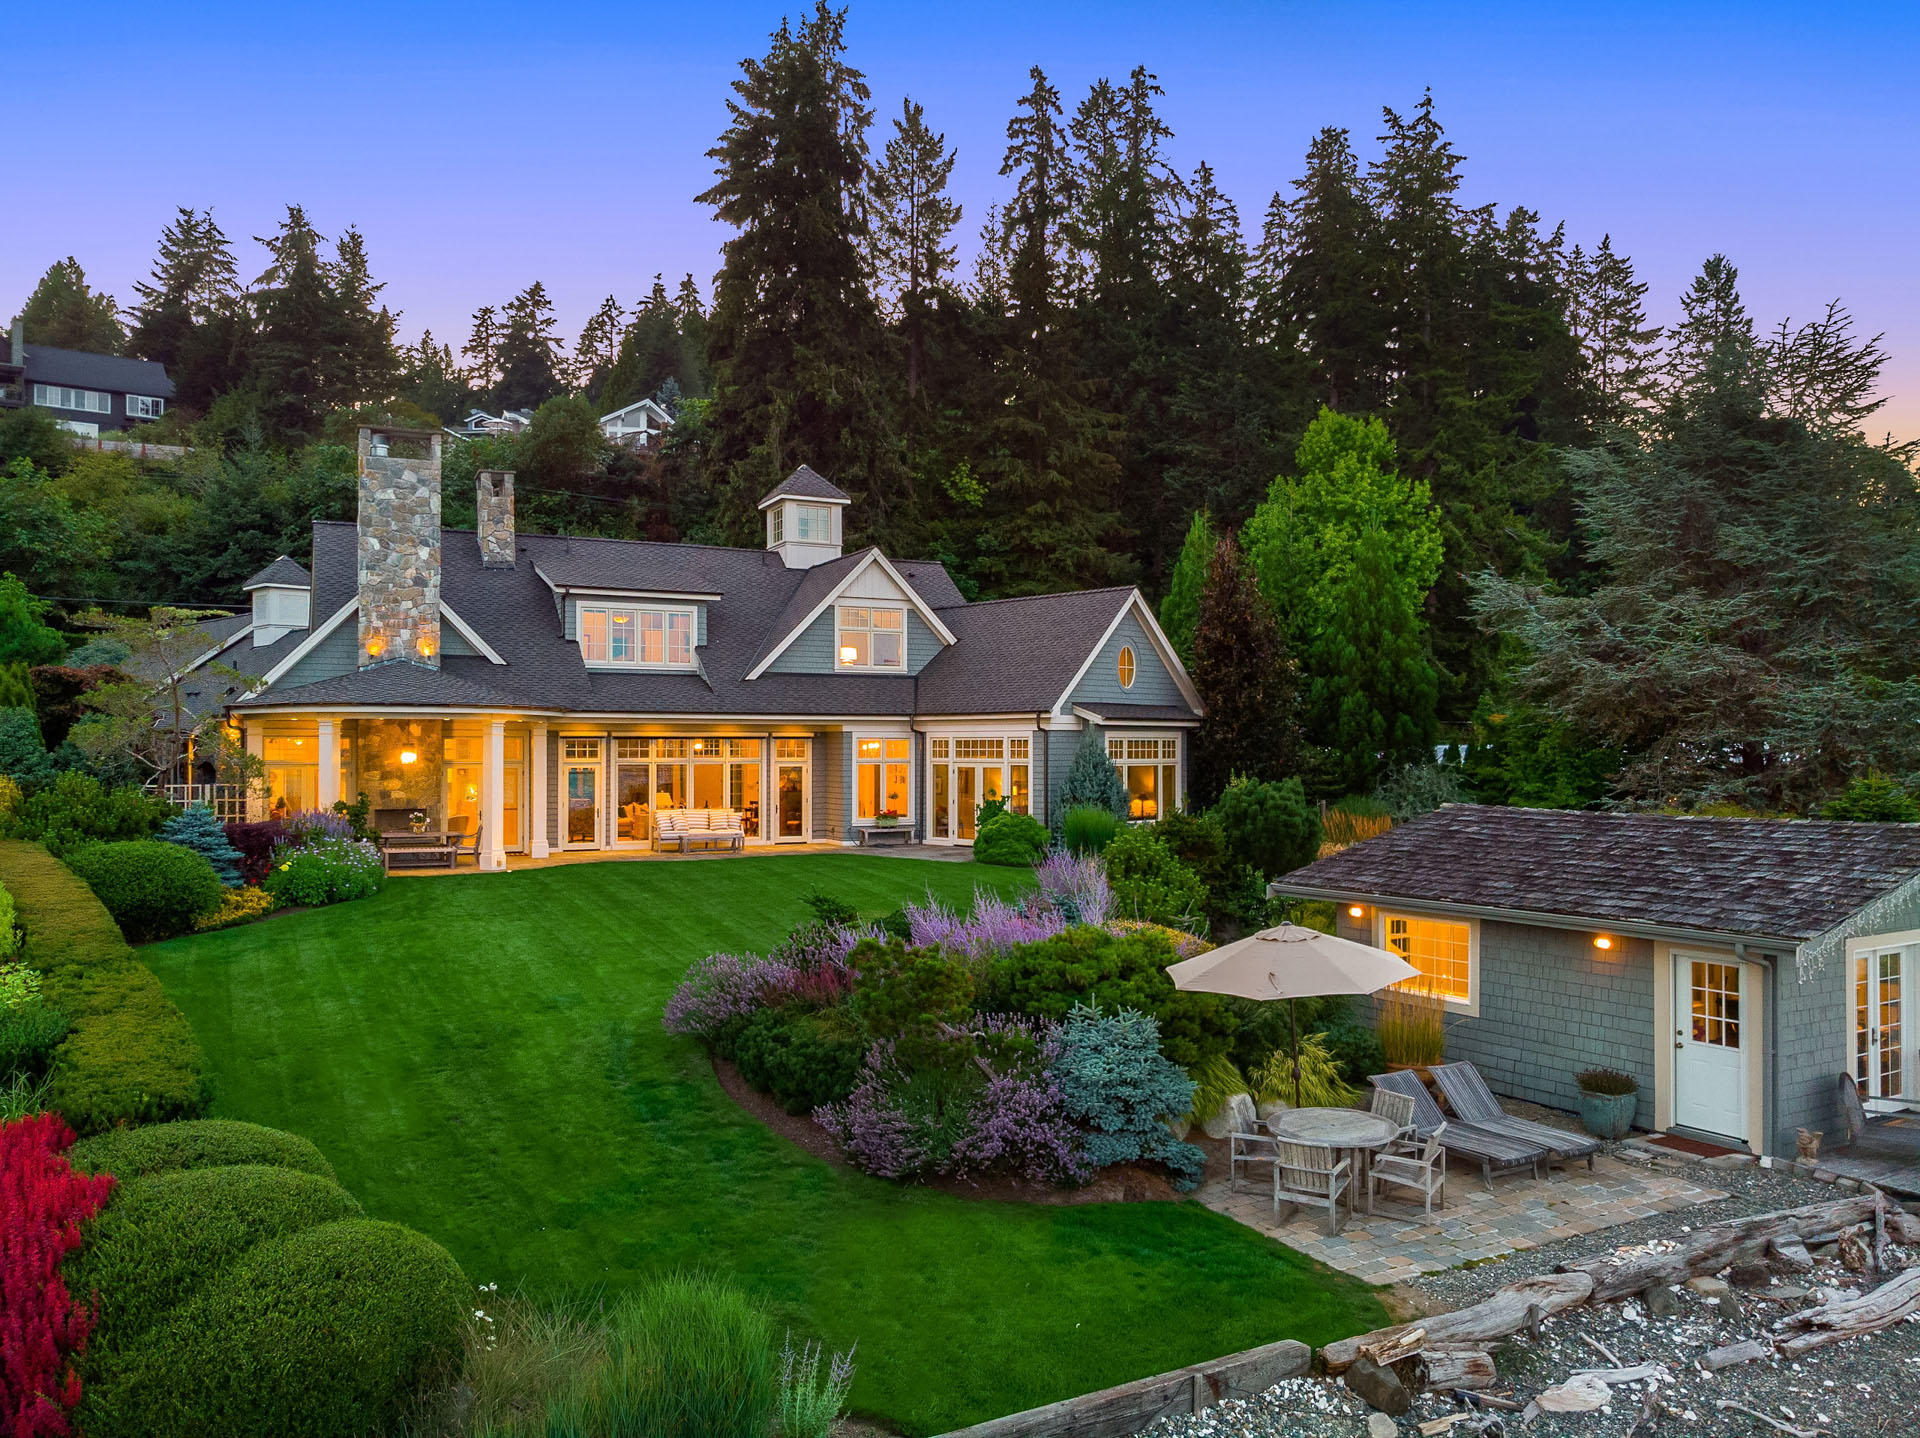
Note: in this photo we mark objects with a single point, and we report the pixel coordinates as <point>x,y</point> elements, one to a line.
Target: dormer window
<point>872,638</point>
<point>648,638</point>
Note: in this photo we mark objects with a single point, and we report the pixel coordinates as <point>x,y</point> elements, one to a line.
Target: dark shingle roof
<point>803,483</point>
<point>1016,656</point>
<point>82,370</point>
<point>458,683</point>
<point>1139,713</point>
<point>815,585</point>
<point>1774,878</point>
<point>283,571</point>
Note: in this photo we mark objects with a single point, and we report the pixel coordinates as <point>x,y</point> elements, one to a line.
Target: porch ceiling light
<point>407,756</point>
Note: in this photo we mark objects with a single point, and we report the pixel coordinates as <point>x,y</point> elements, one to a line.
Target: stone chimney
<point>399,547</point>
<point>19,342</point>
<point>493,517</point>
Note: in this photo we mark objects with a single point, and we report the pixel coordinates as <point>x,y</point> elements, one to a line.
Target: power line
<point>136,603</point>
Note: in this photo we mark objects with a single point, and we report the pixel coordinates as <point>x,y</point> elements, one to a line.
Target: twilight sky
<point>483,145</point>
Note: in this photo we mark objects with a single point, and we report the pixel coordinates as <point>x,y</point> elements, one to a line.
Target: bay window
<point>1150,768</point>
<point>871,638</point>
<point>653,638</point>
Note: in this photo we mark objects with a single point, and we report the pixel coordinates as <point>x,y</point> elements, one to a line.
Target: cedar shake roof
<point>1773,878</point>
<point>803,483</point>
<point>285,572</point>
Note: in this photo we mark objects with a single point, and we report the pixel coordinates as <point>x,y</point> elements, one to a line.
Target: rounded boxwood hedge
<point>168,1237</point>
<point>327,1332</point>
<point>129,1153</point>
<point>1016,840</point>
<point>154,890</point>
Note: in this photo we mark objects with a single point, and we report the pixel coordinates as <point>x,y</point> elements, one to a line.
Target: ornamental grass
<point>1412,1025</point>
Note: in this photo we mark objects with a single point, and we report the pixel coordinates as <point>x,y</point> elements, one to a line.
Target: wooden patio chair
<point>1310,1174</point>
<point>1494,1152</point>
<point>1473,1102</point>
<point>1249,1148</point>
<point>1879,1135</point>
<point>1396,1109</point>
<point>1422,1168</point>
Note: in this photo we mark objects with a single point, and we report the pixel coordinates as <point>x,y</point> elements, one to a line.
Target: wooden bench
<point>683,828</point>
<point>874,836</point>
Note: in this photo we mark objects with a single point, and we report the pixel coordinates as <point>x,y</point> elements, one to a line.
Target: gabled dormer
<point>282,596</point>
<point>805,519</point>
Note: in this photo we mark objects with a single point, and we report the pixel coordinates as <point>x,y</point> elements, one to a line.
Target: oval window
<point>1126,666</point>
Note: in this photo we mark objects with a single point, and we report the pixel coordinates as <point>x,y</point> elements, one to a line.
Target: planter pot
<point>1608,1115</point>
<point>886,823</point>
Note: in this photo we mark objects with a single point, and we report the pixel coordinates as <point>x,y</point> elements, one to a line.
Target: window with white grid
<point>1441,949</point>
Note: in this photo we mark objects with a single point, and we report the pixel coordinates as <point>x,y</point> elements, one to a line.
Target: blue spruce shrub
<point>1092,781</point>
<point>197,829</point>
<point>1122,1090</point>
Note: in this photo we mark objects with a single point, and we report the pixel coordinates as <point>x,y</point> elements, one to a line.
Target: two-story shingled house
<point>558,692</point>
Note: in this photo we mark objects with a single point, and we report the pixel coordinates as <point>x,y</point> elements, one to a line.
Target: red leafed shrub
<point>43,1202</point>
<point>255,843</point>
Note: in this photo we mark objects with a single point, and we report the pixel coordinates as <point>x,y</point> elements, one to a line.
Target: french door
<point>580,787</point>
<point>1884,1042</point>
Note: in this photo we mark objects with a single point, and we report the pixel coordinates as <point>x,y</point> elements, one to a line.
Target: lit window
<point>580,748</point>
<point>1126,666</point>
<point>789,748</point>
<point>1153,783</point>
<point>661,637</point>
<point>883,777</point>
<point>872,638</point>
<point>1439,949</point>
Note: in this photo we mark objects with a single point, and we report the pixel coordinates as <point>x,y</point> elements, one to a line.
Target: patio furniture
<point>1494,1152</point>
<point>465,845</point>
<point>1470,1099</point>
<point>1421,1167</point>
<point>1348,1129</point>
<point>1396,1109</point>
<point>1249,1148</point>
<point>407,850</point>
<point>1884,1135</point>
<point>1309,1174</point>
<point>872,836</point>
<point>683,828</point>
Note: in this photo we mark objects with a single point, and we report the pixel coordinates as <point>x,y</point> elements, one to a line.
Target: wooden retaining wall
<point>1117,1412</point>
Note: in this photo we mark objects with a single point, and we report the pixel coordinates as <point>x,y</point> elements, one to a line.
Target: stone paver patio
<point>1396,1243</point>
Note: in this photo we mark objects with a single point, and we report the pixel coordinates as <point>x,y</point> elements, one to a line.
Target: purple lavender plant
<point>722,987</point>
<point>877,1136</point>
<point>1076,886</point>
<point>987,933</point>
<point>304,826</point>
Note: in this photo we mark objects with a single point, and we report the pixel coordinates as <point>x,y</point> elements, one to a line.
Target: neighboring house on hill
<point>86,393</point>
<point>636,425</point>
<point>559,692</point>
<point>1735,967</point>
<point>480,425</point>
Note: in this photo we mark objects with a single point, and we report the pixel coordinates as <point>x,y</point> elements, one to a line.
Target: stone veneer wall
<point>386,781</point>
<point>493,517</point>
<point>399,557</point>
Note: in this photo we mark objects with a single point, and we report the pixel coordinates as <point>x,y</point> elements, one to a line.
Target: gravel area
<point>1862,1388</point>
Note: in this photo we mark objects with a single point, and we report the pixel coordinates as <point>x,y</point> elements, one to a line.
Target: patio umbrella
<point>1290,962</point>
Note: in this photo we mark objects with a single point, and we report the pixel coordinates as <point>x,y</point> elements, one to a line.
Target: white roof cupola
<point>282,596</point>
<point>805,519</point>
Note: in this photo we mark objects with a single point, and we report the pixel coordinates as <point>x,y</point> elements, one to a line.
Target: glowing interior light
<point>407,756</point>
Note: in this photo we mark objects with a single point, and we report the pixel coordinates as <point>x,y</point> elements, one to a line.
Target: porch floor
<point>944,853</point>
<point>1898,1176</point>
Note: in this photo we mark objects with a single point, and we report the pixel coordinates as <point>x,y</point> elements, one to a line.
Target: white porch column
<point>538,847</point>
<point>254,737</point>
<point>493,853</point>
<point>327,784</point>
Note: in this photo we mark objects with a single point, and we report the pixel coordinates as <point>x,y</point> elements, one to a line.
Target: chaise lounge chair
<point>1494,1152</point>
<point>1473,1102</point>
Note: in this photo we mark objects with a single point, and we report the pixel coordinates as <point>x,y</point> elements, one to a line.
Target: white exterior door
<point>1710,1044</point>
<point>1884,1045</point>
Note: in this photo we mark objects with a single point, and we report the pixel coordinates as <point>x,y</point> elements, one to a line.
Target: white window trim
<point>913,781</point>
<point>628,666</point>
<point>1126,666</point>
<point>948,733</point>
<point>1162,738</point>
<point>47,396</point>
<point>905,664</point>
<point>808,516</point>
<point>138,406</point>
<point>874,559</point>
<point>1471,1007</point>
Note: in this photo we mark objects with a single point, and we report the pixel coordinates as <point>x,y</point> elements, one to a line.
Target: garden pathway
<point>1397,1243</point>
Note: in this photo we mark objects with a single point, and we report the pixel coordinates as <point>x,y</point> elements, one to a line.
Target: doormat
<point>1690,1145</point>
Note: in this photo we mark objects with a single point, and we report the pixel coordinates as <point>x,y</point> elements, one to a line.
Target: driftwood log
<point>1467,1369</point>
<point>1500,1315</point>
<point>1745,1351</point>
<point>1711,1249</point>
<point>1847,1317</point>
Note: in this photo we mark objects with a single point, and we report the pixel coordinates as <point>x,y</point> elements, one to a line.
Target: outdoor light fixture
<point>1355,911</point>
<point>407,756</point>
<point>1601,941</point>
<point>375,644</point>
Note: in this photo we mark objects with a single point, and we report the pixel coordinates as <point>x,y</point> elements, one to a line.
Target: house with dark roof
<point>1735,967</point>
<point>86,393</point>
<point>560,693</point>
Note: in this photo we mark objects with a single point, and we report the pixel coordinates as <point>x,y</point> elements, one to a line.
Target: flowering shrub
<point>43,1202</point>
<point>1183,944</point>
<point>718,989</point>
<point>877,1133</point>
<point>256,843</point>
<point>326,871</point>
<point>237,906</point>
<point>1018,1123</point>
<point>990,931</point>
<point>1076,885</point>
<point>1122,1090</point>
<point>310,826</point>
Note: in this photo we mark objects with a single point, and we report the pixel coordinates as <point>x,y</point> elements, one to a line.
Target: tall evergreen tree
<point>1245,678</point>
<point>694,375</point>
<point>1619,350</point>
<point>366,363</point>
<point>530,354</point>
<point>599,347</point>
<point>913,220</point>
<point>795,340</point>
<point>65,312</point>
<point>1180,610</point>
<point>194,276</point>
<point>297,311</point>
<point>482,352</point>
<point>430,379</point>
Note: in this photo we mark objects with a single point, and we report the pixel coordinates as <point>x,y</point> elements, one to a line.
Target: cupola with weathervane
<point>805,519</point>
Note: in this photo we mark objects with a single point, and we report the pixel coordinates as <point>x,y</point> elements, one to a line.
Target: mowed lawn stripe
<point>482,1058</point>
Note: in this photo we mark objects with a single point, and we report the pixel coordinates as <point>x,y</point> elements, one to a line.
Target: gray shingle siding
<point>1811,1030</point>
<point>922,642</point>
<point>832,796</point>
<point>1059,746</point>
<point>812,649</point>
<point>452,641</point>
<point>1152,681</point>
<point>337,654</point>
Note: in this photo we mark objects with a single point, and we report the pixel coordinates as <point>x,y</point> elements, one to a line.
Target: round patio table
<point>1347,1129</point>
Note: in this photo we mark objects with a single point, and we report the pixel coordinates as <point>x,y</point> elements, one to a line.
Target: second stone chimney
<point>493,517</point>
<point>399,547</point>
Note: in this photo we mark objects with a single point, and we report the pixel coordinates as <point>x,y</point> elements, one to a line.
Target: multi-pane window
<point>652,637</point>
<point>1439,949</point>
<point>1715,1001</point>
<point>789,748</point>
<point>580,748</point>
<point>872,638</point>
<point>145,406</point>
<point>813,524</point>
<point>979,748</point>
<point>59,396</point>
<point>1151,769</point>
<point>883,776</point>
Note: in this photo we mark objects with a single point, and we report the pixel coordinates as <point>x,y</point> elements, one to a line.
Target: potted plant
<point>887,819</point>
<point>1412,1027</point>
<point>418,821</point>
<point>1607,1101</point>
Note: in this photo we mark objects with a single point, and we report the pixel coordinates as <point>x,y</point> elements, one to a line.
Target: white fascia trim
<point>750,723</point>
<point>306,646</point>
<point>645,404</point>
<point>1092,718</point>
<point>873,557</point>
<point>682,596</point>
<point>1136,604</point>
<point>467,632</point>
<point>409,711</point>
<point>778,498</point>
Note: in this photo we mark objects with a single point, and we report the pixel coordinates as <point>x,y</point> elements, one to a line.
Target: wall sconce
<point>426,648</point>
<point>376,645</point>
<point>1601,941</point>
<point>407,756</point>
<point>1354,911</point>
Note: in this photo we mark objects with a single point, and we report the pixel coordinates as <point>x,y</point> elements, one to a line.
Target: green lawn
<point>482,1058</point>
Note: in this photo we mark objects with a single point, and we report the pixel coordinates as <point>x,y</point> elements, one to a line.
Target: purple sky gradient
<point>481,146</point>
